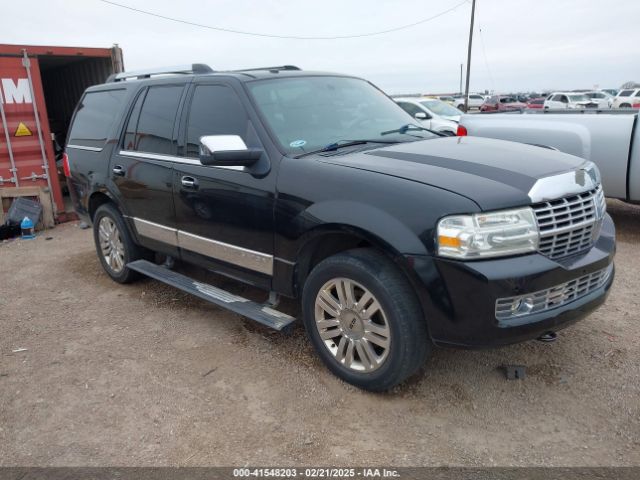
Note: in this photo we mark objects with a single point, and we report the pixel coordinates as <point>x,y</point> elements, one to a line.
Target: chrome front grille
<point>542,300</point>
<point>570,224</point>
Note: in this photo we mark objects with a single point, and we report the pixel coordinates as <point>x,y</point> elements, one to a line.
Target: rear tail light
<point>636,105</point>
<point>462,131</point>
<point>65,165</point>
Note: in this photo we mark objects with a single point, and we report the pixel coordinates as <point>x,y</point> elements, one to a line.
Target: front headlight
<point>492,234</point>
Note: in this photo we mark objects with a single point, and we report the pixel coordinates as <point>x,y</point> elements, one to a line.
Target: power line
<point>291,37</point>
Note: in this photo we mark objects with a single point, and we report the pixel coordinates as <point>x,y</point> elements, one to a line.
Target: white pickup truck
<point>611,141</point>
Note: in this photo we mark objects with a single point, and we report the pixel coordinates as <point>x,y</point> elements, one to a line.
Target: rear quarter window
<point>95,117</point>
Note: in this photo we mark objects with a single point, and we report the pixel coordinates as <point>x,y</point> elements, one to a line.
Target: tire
<point>625,105</point>
<point>121,244</point>
<point>341,338</point>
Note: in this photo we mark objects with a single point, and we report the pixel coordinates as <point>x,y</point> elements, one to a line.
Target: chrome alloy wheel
<point>352,325</point>
<point>111,244</point>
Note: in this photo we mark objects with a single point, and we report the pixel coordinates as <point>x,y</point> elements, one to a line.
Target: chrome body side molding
<point>83,147</point>
<point>155,231</point>
<point>250,259</point>
<point>233,254</point>
<point>174,159</point>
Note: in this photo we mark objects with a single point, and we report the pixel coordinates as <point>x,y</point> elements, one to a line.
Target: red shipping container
<point>39,89</point>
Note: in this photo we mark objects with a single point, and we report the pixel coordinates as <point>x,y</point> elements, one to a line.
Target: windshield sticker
<point>298,143</point>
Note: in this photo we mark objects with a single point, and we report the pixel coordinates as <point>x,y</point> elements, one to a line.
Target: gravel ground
<point>145,375</point>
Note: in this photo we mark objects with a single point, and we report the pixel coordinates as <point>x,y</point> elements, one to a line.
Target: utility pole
<point>460,90</point>
<point>466,90</point>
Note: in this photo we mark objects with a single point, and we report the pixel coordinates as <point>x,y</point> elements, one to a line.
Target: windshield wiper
<point>345,143</point>
<point>411,126</point>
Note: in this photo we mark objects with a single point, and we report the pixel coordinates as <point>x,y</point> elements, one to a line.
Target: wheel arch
<point>331,239</point>
<point>100,197</point>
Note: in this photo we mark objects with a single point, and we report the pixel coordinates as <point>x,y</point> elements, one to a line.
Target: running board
<point>255,311</point>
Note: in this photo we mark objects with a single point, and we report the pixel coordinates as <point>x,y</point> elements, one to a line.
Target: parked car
<point>536,103</point>
<point>627,98</point>
<point>419,109</point>
<point>318,187</point>
<point>442,109</point>
<point>561,100</point>
<point>501,103</point>
<point>610,141</point>
<point>475,101</point>
<point>447,99</point>
<point>602,98</point>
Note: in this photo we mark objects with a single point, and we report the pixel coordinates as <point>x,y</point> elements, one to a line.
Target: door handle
<point>189,182</point>
<point>119,171</point>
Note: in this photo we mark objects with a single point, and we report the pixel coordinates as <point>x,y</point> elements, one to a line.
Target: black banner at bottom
<point>286,473</point>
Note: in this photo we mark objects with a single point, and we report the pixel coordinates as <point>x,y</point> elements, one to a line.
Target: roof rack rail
<point>196,68</point>
<point>271,69</point>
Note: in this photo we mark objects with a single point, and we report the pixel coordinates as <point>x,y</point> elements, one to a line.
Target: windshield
<point>508,100</point>
<point>578,98</point>
<point>441,108</point>
<point>309,113</point>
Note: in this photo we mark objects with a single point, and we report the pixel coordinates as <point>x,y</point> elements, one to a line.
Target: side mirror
<point>421,116</point>
<point>227,150</point>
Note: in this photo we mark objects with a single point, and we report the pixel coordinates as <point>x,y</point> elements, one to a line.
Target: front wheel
<point>364,320</point>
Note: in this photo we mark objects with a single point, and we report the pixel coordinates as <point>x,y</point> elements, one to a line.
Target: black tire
<point>409,341</point>
<point>625,105</point>
<point>131,250</point>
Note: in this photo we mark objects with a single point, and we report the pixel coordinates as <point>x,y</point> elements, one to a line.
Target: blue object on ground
<point>28,229</point>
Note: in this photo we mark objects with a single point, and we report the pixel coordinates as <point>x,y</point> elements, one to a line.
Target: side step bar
<point>242,306</point>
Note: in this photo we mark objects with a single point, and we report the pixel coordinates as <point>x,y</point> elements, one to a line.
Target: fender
<point>370,219</point>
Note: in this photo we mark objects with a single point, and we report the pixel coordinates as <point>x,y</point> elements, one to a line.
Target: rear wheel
<point>364,320</point>
<point>625,105</point>
<point>114,244</point>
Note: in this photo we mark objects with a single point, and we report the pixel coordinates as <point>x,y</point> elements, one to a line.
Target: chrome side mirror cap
<point>227,150</point>
<point>215,143</point>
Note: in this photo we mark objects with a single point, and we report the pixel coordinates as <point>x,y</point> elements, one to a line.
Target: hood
<point>494,174</point>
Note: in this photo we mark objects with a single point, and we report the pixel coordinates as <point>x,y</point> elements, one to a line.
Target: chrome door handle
<point>189,182</point>
<point>118,170</point>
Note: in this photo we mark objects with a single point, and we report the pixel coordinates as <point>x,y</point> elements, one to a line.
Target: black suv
<point>318,186</point>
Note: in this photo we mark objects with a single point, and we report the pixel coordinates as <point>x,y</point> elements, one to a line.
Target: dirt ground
<point>145,375</point>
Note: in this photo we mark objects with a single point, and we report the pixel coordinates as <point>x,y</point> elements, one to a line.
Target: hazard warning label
<point>22,131</point>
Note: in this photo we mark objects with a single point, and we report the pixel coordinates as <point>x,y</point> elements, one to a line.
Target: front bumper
<point>459,298</point>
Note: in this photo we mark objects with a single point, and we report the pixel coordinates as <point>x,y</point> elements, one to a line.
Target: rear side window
<point>95,117</point>
<point>150,126</point>
<point>216,110</point>
<point>625,93</point>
